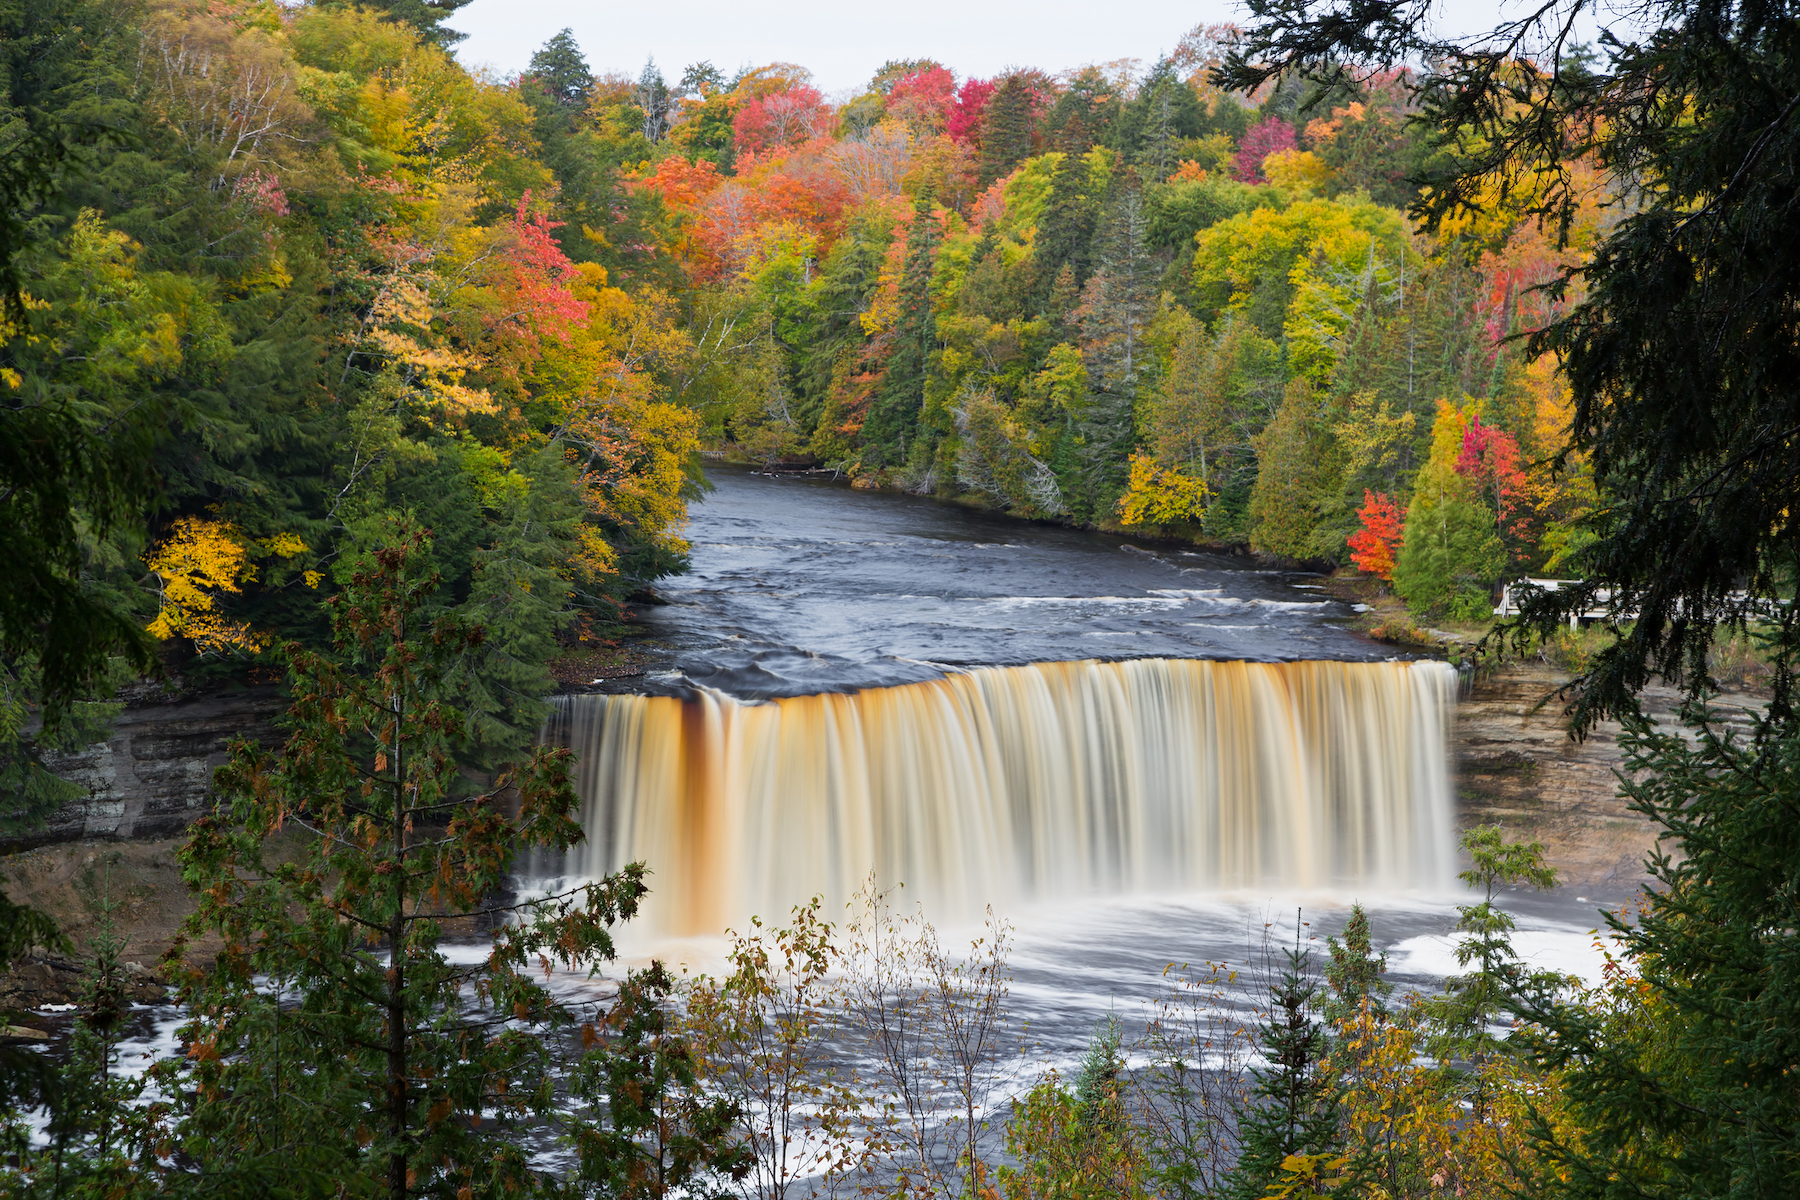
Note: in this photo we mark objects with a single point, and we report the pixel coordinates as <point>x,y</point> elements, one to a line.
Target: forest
<point>325,359</point>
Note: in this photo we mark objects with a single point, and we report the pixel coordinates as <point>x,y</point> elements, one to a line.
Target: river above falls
<point>801,584</point>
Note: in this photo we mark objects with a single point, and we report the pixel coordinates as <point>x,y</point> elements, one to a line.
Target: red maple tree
<point>1375,547</point>
<point>964,121</point>
<point>1259,142</point>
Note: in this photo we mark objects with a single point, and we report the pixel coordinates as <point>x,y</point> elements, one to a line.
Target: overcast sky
<point>843,43</point>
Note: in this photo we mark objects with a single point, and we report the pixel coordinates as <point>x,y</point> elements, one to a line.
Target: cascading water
<point>1009,784</point>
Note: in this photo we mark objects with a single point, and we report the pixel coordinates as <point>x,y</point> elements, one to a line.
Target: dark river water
<point>802,585</point>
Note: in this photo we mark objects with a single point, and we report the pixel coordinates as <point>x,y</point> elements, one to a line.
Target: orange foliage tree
<point>1374,547</point>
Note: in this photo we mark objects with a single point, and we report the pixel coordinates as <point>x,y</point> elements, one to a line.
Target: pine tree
<point>1292,1106</point>
<point>1006,129</point>
<point>893,419</point>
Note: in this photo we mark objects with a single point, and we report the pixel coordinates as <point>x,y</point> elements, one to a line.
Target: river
<point>800,585</point>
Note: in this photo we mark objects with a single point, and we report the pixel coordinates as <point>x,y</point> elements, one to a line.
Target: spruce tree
<point>1292,1105</point>
<point>1355,972</point>
<point>1006,129</point>
<point>558,72</point>
<point>1683,1083</point>
<point>1065,234</point>
<point>1291,477</point>
<point>893,420</point>
<point>1115,315</point>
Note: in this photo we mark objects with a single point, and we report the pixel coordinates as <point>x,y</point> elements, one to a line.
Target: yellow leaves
<point>283,545</point>
<point>637,466</point>
<point>197,561</point>
<point>1311,1177</point>
<point>1299,171</point>
<point>1161,495</point>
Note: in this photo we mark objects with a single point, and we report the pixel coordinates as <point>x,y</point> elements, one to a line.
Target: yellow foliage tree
<point>198,561</point>
<point>1161,495</point>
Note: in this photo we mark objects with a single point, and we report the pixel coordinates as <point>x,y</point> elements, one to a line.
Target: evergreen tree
<point>894,416</point>
<point>1084,113</point>
<point>1451,556</point>
<point>1006,128</point>
<point>1682,349</point>
<point>558,72</point>
<point>373,1062</point>
<point>522,602</point>
<point>1683,1083</point>
<point>1220,391</point>
<point>1152,128</point>
<point>1355,972</point>
<point>1291,475</point>
<point>1065,234</point>
<point>654,99</point>
<point>1292,1107</point>
<point>1115,314</point>
<point>425,16</point>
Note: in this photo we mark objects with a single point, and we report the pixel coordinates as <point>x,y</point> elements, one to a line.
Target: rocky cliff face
<point>1517,767</point>
<point>154,774</point>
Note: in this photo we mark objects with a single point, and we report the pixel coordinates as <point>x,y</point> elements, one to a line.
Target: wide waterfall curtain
<point>1007,784</point>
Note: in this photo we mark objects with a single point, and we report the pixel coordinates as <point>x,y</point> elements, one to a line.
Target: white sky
<point>844,43</point>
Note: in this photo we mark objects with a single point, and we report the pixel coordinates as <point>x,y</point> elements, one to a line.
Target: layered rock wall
<point>154,774</point>
<point>1517,767</point>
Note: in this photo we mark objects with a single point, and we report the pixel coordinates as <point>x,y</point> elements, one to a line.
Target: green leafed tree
<point>1680,1073</point>
<point>336,1044</point>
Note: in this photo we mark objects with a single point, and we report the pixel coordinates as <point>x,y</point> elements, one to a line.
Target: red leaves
<point>680,183</point>
<point>781,120</point>
<point>1375,547</point>
<point>1490,459</point>
<point>963,122</point>
<point>924,98</point>
<point>1259,142</point>
<point>533,284</point>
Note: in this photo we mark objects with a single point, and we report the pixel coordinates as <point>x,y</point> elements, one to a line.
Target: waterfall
<point>1011,783</point>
